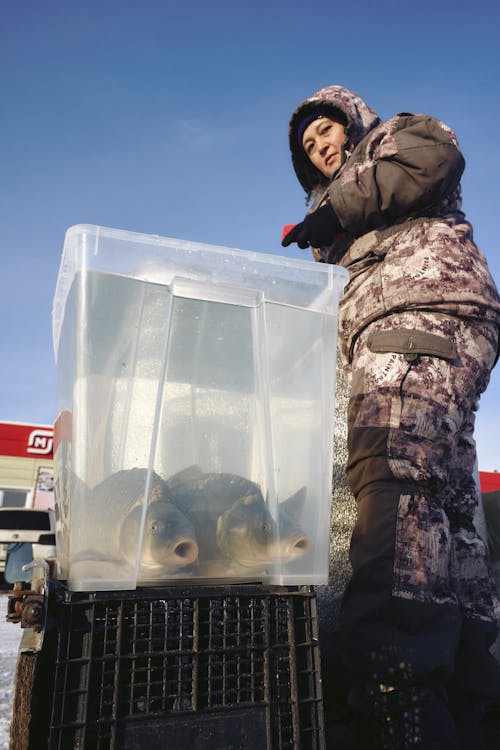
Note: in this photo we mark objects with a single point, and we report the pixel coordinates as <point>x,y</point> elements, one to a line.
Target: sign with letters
<point>26,440</point>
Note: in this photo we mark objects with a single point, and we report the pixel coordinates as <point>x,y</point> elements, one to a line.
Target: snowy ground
<point>10,636</point>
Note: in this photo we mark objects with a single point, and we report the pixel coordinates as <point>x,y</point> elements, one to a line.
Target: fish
<point>237,534</point>
<point>169,542</point>
<point>114,507</point>
<point>251,539</point>
<point>203,497</point>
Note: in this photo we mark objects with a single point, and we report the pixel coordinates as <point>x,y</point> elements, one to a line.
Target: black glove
<point>318,229</point>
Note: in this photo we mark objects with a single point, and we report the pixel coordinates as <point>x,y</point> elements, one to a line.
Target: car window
<point>25,519</point>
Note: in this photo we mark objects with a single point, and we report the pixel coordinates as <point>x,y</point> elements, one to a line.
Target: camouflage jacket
<point>406,242</point>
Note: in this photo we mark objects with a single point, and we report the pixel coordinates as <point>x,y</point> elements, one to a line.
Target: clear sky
<point>170,118</point>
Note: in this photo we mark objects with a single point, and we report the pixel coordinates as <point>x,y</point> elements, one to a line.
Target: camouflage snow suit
<point>419,332</point>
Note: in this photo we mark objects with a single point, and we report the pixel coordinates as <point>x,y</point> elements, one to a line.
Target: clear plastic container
<point>196,404</point>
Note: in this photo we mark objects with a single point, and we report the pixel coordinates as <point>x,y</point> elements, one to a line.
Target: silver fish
<point>236,533</point>
<point>203,497</point>
<point>115,508</point>
<point>249,536</point>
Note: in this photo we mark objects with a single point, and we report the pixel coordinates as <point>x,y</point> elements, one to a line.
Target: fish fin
<point>294,505</point>
<point>184,475</point>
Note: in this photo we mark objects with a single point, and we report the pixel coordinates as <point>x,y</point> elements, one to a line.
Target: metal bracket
<point>28,606</point>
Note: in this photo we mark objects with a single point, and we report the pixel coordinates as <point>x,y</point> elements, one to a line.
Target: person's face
<point>322,141</point>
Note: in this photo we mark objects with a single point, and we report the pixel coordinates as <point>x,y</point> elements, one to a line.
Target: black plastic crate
<point>225,667</point>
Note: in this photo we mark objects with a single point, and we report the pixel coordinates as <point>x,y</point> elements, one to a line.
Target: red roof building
<point>489,480</point>
<point>26,465</point>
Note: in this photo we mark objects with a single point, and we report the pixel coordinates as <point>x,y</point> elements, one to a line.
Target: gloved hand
<point>318,229</point>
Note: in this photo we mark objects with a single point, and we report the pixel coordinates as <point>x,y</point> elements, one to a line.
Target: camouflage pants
<point>421,606</point>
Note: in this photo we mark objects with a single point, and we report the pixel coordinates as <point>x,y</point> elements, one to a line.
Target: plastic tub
<point>196,406</point>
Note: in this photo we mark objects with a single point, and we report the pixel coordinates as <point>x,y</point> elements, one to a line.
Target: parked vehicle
<point>25,534</point>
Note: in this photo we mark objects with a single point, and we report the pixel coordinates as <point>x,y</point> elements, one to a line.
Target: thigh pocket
<point>391,355</point>
<point>411,344</point>
<point>426,408</point>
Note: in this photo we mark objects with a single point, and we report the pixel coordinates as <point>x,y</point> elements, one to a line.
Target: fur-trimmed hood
<point>330,100</point>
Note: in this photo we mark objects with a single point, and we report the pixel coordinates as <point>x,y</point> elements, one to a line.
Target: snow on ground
<point>10,636</point>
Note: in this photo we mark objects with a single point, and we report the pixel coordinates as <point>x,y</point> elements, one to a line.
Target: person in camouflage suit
<point>418,332</point>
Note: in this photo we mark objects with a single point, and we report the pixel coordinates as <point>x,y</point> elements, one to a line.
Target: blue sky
<point>171,118</point>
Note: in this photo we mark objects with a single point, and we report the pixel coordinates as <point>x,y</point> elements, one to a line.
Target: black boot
<point>397,718</point>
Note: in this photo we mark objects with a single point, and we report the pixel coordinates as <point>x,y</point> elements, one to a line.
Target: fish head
<point>168,541</point>
<point>293,542</point>
<point>246,531</point>
<point>248,535</point>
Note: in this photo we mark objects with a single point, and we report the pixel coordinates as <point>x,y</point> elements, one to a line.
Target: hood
<point>331,101</point>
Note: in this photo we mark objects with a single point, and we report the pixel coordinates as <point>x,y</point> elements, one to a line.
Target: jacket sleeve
<point>404,167</point>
